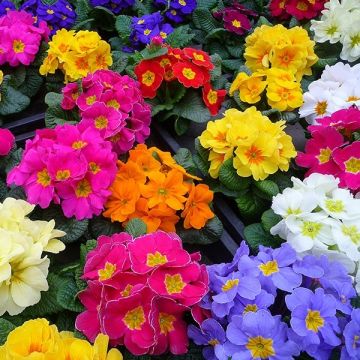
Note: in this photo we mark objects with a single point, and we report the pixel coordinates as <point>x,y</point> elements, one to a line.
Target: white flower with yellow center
<point>318,184</point>
<point>351,40</point>
<point>347,235</point>
<point>329,28</point>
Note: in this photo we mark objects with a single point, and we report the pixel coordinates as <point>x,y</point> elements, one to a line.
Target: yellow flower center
<point>236,23</point>
<point>212,97</point>
<point>101,122</point>
<point>352,165</point>
<point>113,103</point>
<point>352,232</point>
<point>156,259</point>
<point>282,4</point>
<point>18,46</point>
<point>90,99</point>
<point>107,272</point>
<point>63,47</point>
<point>254,155</point>
<point>162,192</point>
<point>324,155</point>
<point>166,322</point>
<point>188,73</point>
<point>83,189</point>
<point>352,98</point>
<point>250,308</point>
<point>141,21</point>
<point>148,78</point>
<point>135,318</point>
<point>63,17</point>
<point>182,2</point>
<point>50,11</point>
<point>94,168</point>
<point>290,211</point>
<point>356,339</point>
<point>174,284</point>
<point>77,145</point>
<point>321,107</point>
<point>62,175</point>
<point>147,31</point>
<point>173,12</point>
<point>355,40</point>
<point>82,64</point>
<point>269,268</point>
<point>198,57</point>
<point>43,178</point>
<point>302,6</point>
<point>163,34</point>
<point>331,30</point>
<point>164,62</point>
<point>311,229</point>
<point>260,347</point>
<point>314,321</point>
<point>230,284</point>
<point>335,206</point>
<point>213,342</point>
<point>127,291</point>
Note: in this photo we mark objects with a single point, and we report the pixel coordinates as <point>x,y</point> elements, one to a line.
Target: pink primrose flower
<point>7,141</point>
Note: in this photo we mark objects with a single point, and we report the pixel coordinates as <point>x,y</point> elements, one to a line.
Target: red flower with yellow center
<point>188,74</point>
<point>213,98</point>
<point>150,74</point>
<point>198,57</point>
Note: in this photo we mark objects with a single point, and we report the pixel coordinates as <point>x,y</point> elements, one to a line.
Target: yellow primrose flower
<point>216,160</point>
<point>251,88</point>
<point>285,97</point>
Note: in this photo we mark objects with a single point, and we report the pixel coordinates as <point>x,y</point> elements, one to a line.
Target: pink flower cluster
<point>112,105</point>
<point>20,39</point>
<point>139,291</point>
<point>335,148</point>
<point>69,166</point>
<point>7,141</point>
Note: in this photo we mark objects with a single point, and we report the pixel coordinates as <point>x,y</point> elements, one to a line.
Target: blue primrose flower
<point>258,335</point>
<point>6,6</point>
<point>351,333</point>
<point>313,316</point>
<point>276,270</point>
<point>116,6</point>
<point>211,334</point>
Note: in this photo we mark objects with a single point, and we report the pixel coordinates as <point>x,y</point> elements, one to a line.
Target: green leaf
<point>181,126</point>
<point>201,164</point>
<point>12,100</point>
<point>120,61</point>
<point>123,26</point>
<point>184,158</point>
<point>236,50</point>
<point>268,188</point>
<point>293,22</point>
<point>136,227</point>
<point>255,235</point>
<point>101,226</point>
<point>204,20</point>
<point>13,159</point>
<point>53,99</point>
<point>229,177</point>
<point>282,180</point>
<point>151,52</point>
<point>269,219</point>
<point>32,83</point>
<point>289,117</point>
<point>5,329</point>
<point>243,106</point>
<point>67,295</point>
<point>203,153</point>
<point>206,4</point>
<point>17,192</point>
<point>216,34</point>
<point>263,21</point>
<point>82,11</point>
<point>18,76</point>
<point>209,234</point>
<point>55,115</point>
<point>250,205</point>
<point>191,107</point>
<point>216,72</point>
<point>103,18</point>
<point>3,190</point>
<point>180,37</point>
<point>233,64</point>
<point>215,47</point>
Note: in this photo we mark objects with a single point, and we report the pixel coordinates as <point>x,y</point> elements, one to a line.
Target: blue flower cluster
<point>116,6</point>
<point>59,14</point>
<point>147,27</point>
<point>176,10</point>
<point>312,296</point>
<point>5,6</point>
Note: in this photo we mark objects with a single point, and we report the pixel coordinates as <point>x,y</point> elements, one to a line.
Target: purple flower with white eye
<point>243,306</point>
<point>275,269</point>
<point>258,335</point>
<point>211,334</point>
<point>313,316</point>
<point>351,349</point>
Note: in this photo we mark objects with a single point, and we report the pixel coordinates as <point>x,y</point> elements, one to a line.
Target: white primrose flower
<point>351,41</point>
<point>338,73</point>
<point>329,28</point>
<point>347,235</point>
<point>319,184</point>
<point>350,92</point>
<point>309,231</point>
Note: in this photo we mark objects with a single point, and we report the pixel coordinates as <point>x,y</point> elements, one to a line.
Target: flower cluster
<point>139,291</point>
<point>300,9</point>
<point>112,105</point>
<point>279,58</point>
<point>39,338</point>
<point>5,6</point>
<point>23,270</point>
<point>7,141</point>
<point>176,10</point>
<point>340,23</point>
<point>236,18</point>
<point>147,27</point>
<point>236,317</point>
<point>331,149</point>
<point>258,146</point>
<point>20,38</point>
<point>320,218</point>
<point>116,6</point>
<point>76,54</point>
<point>57,14</point>
<point>151,186</point>
<point>191,67</point>
<point>67,165</point>
<point>336,89</point>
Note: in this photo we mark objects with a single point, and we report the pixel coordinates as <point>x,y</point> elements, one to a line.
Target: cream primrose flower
<point>351,41</point>
<point>347,235</point>
<point>23,270</point>
<point>329,28</point>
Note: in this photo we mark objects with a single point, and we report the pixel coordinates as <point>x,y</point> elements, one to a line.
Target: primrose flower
<point>351,350</point>
<point>7,141</point>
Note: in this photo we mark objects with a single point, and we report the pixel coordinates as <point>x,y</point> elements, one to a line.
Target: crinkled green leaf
<point>123,26</point>
<point>32,83</point>
<point>101,226</point>
<point>180,37</point>
<point>181,126</point>
<point>250,205</point>
<point>191,107</point>
<point>67,295</point>
<point>204,20</point>
<point>12,100</point>
<point>255,235</point>
<point>267,187</point>
<point>229,177</point>
<point>136,227</point>
<point>184,158</point>
<point>5,328</point>
<point>269,219</point>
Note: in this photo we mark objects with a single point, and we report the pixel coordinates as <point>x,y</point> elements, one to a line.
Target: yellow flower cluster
<point>258,146</point>
<point>279,58</point>
<point>76,54</point>
<point>37,339</point>
<point>1,80</point>
<point>23,270</point>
